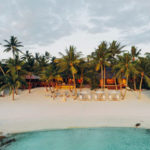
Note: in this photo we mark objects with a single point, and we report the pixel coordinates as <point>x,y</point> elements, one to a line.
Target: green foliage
<point>14,78</point>
<point>70,65</point>
<point>70,61</point>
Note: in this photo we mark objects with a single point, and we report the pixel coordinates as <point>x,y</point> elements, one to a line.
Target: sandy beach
<point>37,111</point>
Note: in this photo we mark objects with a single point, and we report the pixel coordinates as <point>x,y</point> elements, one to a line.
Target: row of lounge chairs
<point>87,95</point>
<point>100,95</point>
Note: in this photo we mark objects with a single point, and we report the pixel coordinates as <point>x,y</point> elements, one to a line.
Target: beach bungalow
<point>33,81</point>
<point>110,81</point>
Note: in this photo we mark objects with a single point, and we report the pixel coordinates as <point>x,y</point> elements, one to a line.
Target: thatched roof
<point>33,77</point>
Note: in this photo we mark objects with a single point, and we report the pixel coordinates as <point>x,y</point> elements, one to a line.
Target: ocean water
<point>83,139</point>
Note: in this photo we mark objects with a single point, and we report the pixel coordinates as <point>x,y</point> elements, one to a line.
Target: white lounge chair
<point>89,97</point>
<point>2,93</point>
<point>81,97</point>
<point>114,95</point>
<point>100,96</point>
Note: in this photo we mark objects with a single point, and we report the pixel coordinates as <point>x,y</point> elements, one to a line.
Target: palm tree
<point>27,55</point>
<point>47,56</point>
<point>143,66</point>
<point>12,80</point>
<point>69,61</point>
<point>41,61</point>
<point>100,59</point>
<point>29,66</point>
<point>46,75</point>
<point>13,45</point>
<point>124,67</point>
<point>134,54</point>
<point>115,49</point>
<point>83,68</point>
<point>18,65</point>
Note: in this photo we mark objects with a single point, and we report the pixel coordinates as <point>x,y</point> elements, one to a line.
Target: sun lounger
<point>81,97</point>
<point>114,95</point>
<point>2,93</point>
<point>84,96</point>
<point>89,97</point>
<point>100,95</point>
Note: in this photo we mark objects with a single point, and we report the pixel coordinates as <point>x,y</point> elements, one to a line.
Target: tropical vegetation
<point>74,68</point>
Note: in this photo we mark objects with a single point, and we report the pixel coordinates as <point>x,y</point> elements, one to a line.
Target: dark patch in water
<point>147,131</point>
<point>6,140</point>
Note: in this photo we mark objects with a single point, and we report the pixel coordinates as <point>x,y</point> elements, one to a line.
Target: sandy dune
<point>37,111</point>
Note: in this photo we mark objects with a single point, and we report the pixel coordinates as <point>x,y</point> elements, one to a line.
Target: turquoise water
<point>83,139</point>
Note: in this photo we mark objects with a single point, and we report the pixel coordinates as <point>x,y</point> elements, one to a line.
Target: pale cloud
<point>55,24</point>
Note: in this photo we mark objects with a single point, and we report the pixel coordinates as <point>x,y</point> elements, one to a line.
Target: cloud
<point>46,22</point>
<point>39,21</point>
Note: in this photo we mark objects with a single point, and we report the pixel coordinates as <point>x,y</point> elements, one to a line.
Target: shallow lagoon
<point>83,139</point>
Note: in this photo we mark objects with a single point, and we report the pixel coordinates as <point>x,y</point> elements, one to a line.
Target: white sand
<point>36,111</point>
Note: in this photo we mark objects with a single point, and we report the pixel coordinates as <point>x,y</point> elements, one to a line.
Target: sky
<point>54,25</point>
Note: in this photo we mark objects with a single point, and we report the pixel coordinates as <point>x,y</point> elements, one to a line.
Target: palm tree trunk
<point>46,88</point>
<point>81,84</point>
<point>104,75</point>
<point>115,83</point>
<point>121,87</point>
<point>16,91</point>
<point>81,81</point>
<point>74,83</point>
<point>126,87</point>
<point>46,85</point>
<point>140,89</point>
<point>29,86</point>
<point>133,59</point>
<point>13,93</point>
<point>134,80</point>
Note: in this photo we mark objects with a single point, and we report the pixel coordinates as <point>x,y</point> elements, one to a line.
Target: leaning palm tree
<point>143,66</point>
<point>69,61</point>
<point>13,45</point>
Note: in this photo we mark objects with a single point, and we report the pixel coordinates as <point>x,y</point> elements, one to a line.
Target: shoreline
<point>36,112</point>
<point>71,128</point>
<point>28,126</point>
